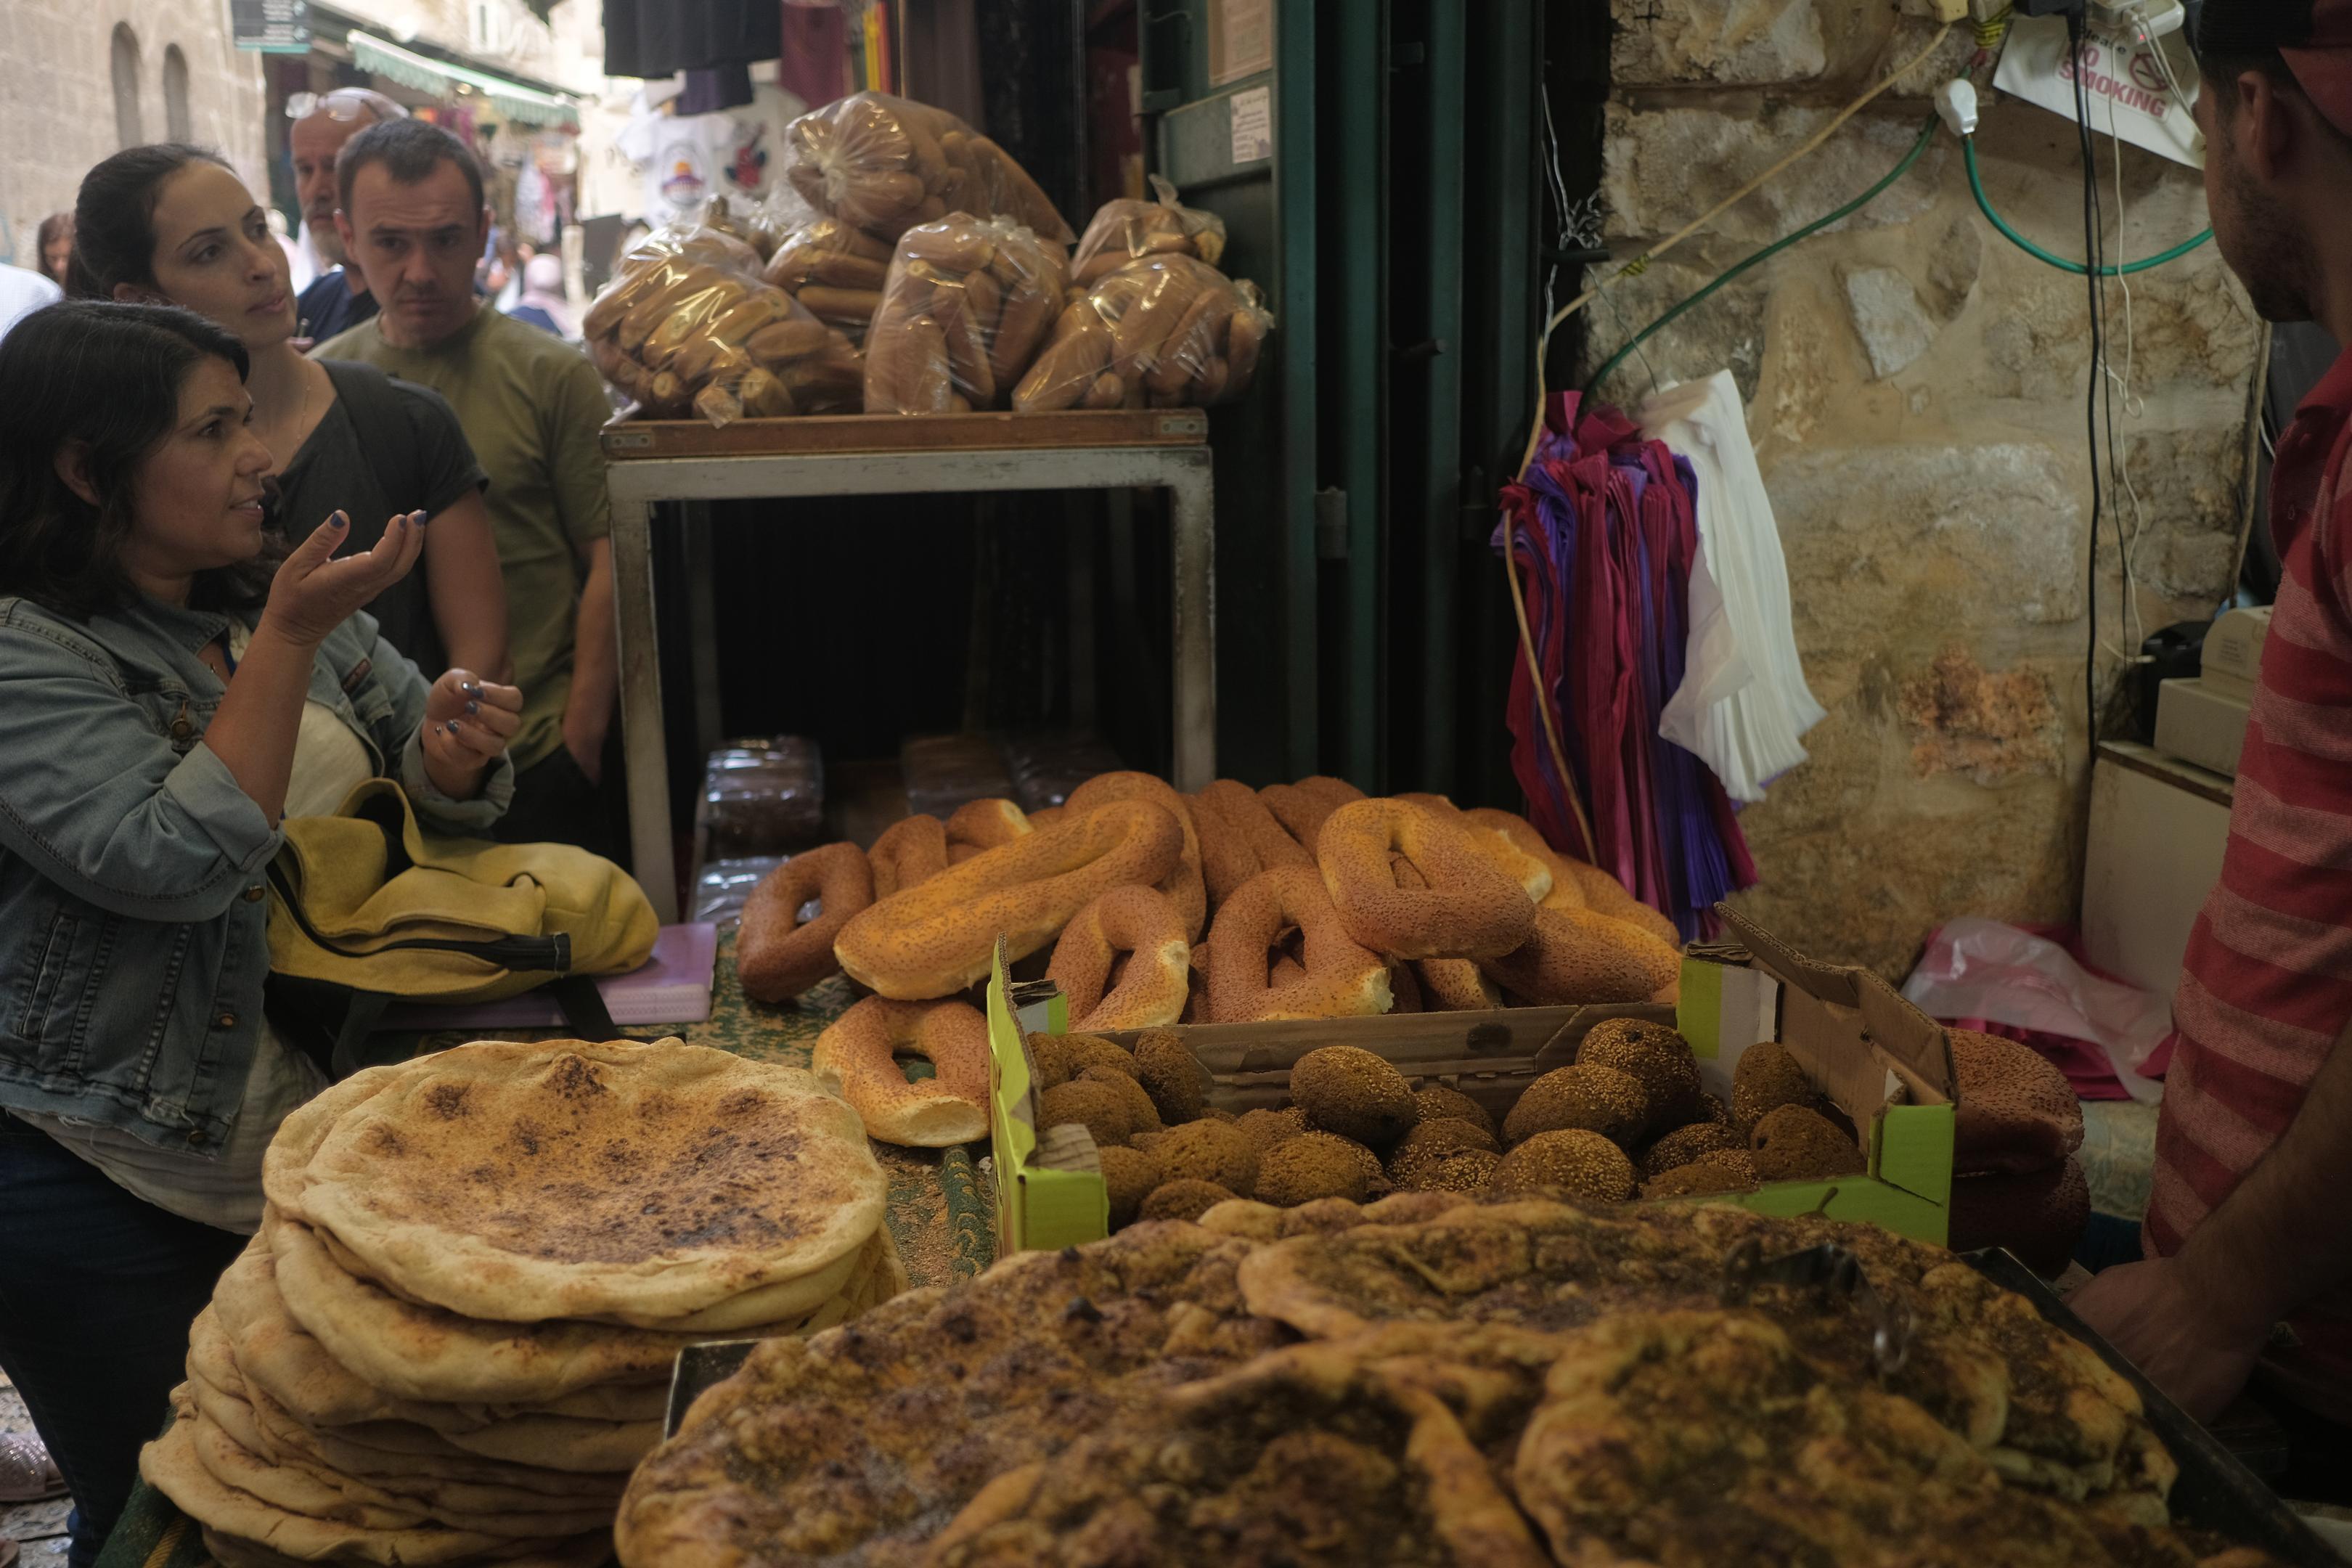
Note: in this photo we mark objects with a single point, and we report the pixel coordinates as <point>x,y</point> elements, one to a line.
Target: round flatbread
<point>290,1364</point>
<point>624,1181</point>
<point>171,1467</point>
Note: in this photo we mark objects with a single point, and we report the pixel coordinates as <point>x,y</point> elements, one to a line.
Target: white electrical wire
<point>2134,407</point>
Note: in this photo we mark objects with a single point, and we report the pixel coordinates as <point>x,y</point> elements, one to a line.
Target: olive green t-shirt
<point>532,405</point>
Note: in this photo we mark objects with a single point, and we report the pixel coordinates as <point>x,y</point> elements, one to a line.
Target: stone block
<point>1893,546</point>
<point>1894,326</point>
<point>1984,725</point>
<point>1725,332</point>
<point>1729,42</point>
<point>1663,167</point>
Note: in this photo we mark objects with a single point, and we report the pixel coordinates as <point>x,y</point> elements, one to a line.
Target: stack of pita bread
<point>453,1338</point>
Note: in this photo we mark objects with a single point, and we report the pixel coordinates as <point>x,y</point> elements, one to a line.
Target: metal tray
<point>2215,1490</point>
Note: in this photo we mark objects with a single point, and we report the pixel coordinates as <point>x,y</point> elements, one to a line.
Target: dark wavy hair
<point>114,217</point>
<point>106,378</point>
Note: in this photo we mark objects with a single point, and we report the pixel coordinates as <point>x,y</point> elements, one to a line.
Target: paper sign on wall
<point>1252,124</point>
<point>2129,94</point>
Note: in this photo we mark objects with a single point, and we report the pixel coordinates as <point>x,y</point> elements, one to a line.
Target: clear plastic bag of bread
<point>835,270</point>
<point>1166,332</point>
<point>756,224</point>
<point>1128,230</point>
<point>687,326</point>
<point>965,307</point>
<point>884,164</point>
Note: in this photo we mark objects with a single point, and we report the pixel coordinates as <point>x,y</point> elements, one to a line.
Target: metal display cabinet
<point>648,463</point>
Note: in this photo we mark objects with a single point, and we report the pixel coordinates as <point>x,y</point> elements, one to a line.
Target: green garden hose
<point>1975,183</point>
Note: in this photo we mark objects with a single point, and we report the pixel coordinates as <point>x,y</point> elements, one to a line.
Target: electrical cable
<point>2092,274</point>
<point>1984,205</point>
<point>1927,134</point>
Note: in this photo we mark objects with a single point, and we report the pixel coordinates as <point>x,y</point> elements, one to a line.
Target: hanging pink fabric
<point>1604,527</point>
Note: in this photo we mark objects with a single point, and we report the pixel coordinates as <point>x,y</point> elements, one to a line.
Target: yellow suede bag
<point>366,899</point>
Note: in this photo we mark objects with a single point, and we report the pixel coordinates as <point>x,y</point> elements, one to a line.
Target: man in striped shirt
<point>2249,1224</point>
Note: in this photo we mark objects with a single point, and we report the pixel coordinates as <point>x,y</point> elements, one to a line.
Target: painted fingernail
<point>473,708</point>
<point>470,689</point>
<point>451,726</point>
<point>338,521</point>
<point>419,518</point>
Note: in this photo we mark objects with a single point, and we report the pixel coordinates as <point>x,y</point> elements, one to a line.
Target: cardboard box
<point>1881,1061</point>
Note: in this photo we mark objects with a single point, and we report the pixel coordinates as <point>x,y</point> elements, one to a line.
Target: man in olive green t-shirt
<point>413,222</point>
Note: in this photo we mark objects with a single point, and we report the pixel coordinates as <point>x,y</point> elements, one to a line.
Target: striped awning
<point>526,105</point>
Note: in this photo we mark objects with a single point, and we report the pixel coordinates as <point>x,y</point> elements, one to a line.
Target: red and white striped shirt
<point>2266,984</point>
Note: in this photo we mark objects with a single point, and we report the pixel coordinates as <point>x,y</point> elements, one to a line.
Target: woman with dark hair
<point>173,682</point>
<point>170,223</point>
<point>56,244</point>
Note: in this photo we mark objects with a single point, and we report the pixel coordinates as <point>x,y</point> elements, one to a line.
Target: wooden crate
<point>625,439</point>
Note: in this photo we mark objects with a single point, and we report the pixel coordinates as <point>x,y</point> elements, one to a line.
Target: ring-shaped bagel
<point>1268,842</point>
<point>1578,958</point>
<point>1470,908</point>
<point>911,852</point>
<point>1342,979</point>
<point>988,823</point>
<point>860,1048</point>
<point>1531,871</point>
<point>1226,859</point>
<point>935,939</point>
<point>1303,807</point>
<point>1605,895</point>
<point>1141,925</point>
<point>1454,985</point>
<point>1565,892</point>
<point>1184,885</point>
<point>776,956</point>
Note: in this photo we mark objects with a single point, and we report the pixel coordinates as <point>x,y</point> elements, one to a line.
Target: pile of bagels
<point>1149,908</point>
<point>453,1338</point>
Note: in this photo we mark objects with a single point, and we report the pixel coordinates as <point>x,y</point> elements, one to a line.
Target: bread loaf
<point>978,294</point>
<point>688,325</point>
<point>886,165</point>
<point>1127,230</point>
<point>1169,327</point>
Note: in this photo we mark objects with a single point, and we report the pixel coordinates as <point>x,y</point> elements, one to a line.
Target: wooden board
<point>626,438</point>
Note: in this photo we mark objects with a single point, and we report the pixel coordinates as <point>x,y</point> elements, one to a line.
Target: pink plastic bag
<point>1977,972</point>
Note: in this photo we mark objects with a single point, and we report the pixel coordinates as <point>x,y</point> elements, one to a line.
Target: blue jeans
<point>97,1291</point>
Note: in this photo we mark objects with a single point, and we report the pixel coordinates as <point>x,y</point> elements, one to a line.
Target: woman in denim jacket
<point>172,686</point>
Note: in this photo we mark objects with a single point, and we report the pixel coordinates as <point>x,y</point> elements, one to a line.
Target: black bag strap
<point>386,434</point>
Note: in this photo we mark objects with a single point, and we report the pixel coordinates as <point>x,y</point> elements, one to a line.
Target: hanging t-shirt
<point>687,158</point>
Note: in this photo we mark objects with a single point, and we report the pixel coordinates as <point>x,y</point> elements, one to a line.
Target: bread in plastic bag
<point>753,222</point>
<point>884,164</point>
<point>966,304</point>
<point>687,326</point>
<point>834,270</point>
<point>1163,332</point>
<point>1127,230</point>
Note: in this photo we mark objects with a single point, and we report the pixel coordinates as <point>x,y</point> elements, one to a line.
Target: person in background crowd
<point>541,303</point>
<point>413,220</point>
<point>339,300</point>
<point>55,241</point>
<point>22,292</point>
<point>2247,1225</point>
<point>174,683</point>
<point>170,223</point>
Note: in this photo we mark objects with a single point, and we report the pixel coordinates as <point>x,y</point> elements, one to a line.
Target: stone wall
<point>57,113</point>
<point>1915,390</point>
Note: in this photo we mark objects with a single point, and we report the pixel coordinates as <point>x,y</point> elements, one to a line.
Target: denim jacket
<point>134,909</point>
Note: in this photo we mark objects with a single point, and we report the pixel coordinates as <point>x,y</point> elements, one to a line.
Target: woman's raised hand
<point>314,592</point>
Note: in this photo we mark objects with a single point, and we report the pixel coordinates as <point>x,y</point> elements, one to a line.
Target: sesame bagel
<point>1339,979</point>
<point>1469,910</point>
<point>1575,957</point>
<point>860,1049</point>
<point>778,956</point>
<point>912,850</point>
<point>1138,924</point>
<point>1183,885</point>
<point>936,938</point>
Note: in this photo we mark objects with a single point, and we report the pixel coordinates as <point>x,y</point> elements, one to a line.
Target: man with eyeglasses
<point>324,121</point>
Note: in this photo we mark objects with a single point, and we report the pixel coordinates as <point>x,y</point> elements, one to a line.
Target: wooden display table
<point>649,462</point>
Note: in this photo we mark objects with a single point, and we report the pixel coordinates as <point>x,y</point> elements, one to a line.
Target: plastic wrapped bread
<point>835,271</point>
<point>687,326</point>
<point>1128,230</point>
<point>964,309</point>
<point>1163,332</point>
<point>884,164</point>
